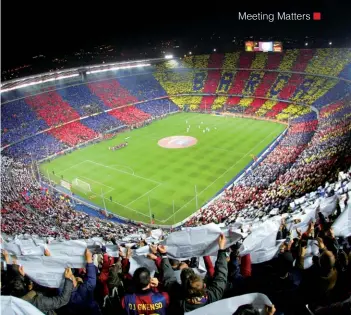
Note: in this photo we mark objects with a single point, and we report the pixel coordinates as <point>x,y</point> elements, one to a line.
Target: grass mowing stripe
<point>136,172</point>
<point>217,178</point>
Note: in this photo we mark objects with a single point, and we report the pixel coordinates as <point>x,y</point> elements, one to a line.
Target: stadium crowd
<point>73,133</point>
<point>28,208</point>
<point>130,115</point>
<point>311,154</point>
<point>273,184</point>
<point>108,285</point>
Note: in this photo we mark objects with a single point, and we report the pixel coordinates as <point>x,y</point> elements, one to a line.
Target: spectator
<point>82,298</point>
<point>22,287</point>
<point>196,294</point>
<point>145,299</point>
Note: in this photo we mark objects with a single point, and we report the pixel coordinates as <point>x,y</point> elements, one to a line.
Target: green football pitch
<point>145,178</point>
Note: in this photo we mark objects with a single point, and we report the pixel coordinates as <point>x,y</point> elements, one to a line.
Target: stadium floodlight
<point>330,43</point>
<point>214,49</point>
<point>39,82</point>
<point>169,56</point>
<point>306,44</point>
<point>120,67</point>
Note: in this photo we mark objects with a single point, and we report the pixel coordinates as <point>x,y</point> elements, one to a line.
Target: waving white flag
<point>342,225</point>
<point>11,305</point>
<point>229,306</point>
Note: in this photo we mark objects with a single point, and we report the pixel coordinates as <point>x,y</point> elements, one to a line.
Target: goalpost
<point>81,185</point>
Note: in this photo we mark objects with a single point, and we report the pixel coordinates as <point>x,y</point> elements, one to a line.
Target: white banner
<point>68,248</point>
<point>308,214</point>
<point>141,261</point>
<point>193,242</point>
<point>48,271</point>
<point>11,305</point>
<point>328,205</point>
<point>261,238</point>
<point>342,225</point>
<point>197,241</point>
<point>311,250</point>
<point>229,306</point>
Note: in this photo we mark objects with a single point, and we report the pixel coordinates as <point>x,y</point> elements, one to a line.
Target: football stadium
<point>230,169</point>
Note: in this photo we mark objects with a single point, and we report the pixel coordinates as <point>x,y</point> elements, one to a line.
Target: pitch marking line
<point>218,177</point>
<point>123,166</point>
<point>117,170</point>
<point>111,189</point>
<point>120,204</point>
<point>95,181</point>
<point>129,208</point>
<point>72,166</point>
<point>149,191</point>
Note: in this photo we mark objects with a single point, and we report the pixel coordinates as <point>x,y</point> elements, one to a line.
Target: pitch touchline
<point>217,178</point>
<point>112,168</point>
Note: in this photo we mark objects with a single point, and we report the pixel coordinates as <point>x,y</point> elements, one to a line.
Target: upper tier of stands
<point>279,95</point>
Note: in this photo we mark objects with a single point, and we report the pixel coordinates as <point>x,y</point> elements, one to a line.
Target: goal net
<point>81,185</point>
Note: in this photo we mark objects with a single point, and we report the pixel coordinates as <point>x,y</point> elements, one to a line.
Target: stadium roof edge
<point>70,72</point>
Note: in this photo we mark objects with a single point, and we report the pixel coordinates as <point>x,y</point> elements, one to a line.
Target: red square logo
<point>317,16</point>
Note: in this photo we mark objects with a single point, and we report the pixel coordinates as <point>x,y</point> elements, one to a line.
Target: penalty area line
<point>68,168</point>
<point>149,191</point>
<point>95,181</point>
<point>129,208</point>
<point>120,204</point>
<point>124,166</point>
<point>117,170</point>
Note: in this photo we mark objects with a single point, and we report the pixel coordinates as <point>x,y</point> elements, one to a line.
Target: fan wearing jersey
<point>145,300</point>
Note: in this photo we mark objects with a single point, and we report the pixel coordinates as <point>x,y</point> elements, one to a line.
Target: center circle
<point>177,142</point>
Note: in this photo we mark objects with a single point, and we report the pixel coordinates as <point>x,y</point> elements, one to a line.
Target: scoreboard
<point>263,46</point>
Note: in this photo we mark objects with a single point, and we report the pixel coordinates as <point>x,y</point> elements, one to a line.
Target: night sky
<point>30,28</point>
